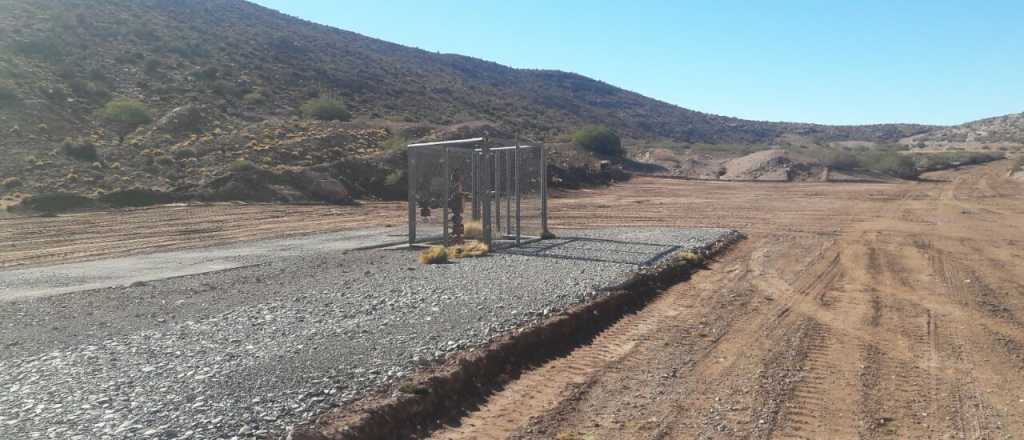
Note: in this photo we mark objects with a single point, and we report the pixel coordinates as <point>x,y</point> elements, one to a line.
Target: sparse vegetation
<point>184,153</point>
<point>125,116</point>
<point>471,248</point>
<point>84,151</point>
<point>242,166</point>
<point>396,143</point>
<point>473,229</point>
<point>889,163</point>
<point>326,109</point>
<point>254,98</point>
<point>10,183</point>
<point>434,255</point>
<point>938,161</point>
<point>599,139</point>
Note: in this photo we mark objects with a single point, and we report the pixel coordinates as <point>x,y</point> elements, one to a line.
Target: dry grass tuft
<point>434,255</point>
<point>468,249</point>
<point>688,257</point>
<point>473,229</point>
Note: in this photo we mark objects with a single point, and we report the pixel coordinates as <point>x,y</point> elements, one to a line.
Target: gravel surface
<point>248,352</point>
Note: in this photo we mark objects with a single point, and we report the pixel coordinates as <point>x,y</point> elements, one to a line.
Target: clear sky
<point>833,62</point>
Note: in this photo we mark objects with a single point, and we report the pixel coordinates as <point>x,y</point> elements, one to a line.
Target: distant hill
<point>224,80</point>
<point>997,131</point>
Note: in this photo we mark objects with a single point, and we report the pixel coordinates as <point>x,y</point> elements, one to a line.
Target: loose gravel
<point>249,352</point>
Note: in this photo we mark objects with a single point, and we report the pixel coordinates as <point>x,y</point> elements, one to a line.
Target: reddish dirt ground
<point>852,311</point>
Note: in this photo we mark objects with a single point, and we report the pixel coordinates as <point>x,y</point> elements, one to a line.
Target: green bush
<point>241,166</point>
<point>326,109</point>
<point>396,143</point>
<point>889,163</point>
<point>85,151</point>
<point>836,158</point>
<point>125,115</point>
<point>254,98</point>
<point>949,159</point>
<point>600,140</point>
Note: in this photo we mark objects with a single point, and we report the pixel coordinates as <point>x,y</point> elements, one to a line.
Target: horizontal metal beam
<point>449,143</point>
<point>508,148</point>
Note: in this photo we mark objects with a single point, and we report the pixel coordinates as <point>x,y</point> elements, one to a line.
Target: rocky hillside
<point>1001,130</point>
<point>223,80</point>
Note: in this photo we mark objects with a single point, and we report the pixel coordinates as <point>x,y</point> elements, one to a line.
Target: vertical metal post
<point>474,164</point>
<point>508,192</point>
<point>519,202</point>
<point>447,194</point>
<point>485,201</point>
<point>411,175</point>
<point>497,191</point>
<point>543,191</point>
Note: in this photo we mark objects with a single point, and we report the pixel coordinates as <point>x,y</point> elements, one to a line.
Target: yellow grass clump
<point>473,229</point>
<point>434,255</point>
<point>471,248</point>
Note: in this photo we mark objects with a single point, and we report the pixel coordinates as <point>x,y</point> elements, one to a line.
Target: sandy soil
<point>853,311</point>
<point>26,241</point>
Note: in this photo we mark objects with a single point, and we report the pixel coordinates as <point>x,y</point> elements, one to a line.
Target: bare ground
<point>853,310</point>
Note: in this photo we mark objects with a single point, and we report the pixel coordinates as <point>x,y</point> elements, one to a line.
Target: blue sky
<point>936,62</point>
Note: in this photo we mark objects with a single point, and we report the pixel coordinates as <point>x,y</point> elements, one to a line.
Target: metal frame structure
<point>494,172</point>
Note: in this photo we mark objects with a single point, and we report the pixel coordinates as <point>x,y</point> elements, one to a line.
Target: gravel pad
<point>251,351</point>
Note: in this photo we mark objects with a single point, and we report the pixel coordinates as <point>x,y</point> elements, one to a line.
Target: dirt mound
<point>772,165</point>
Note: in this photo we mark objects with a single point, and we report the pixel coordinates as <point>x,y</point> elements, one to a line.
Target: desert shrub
<point>125,115</point>
<point>600,140</point>
<point>89,90</point>
<point>136,197</point>
<point>325,109</point>
<point>47,48</point>
<point>10,182</point>
<point>184,153</point>
<point>949,159</point>
<point>889,163</point>
<point>165,161</point>
<point>56,202</point>
<point>394,178</point>
<point>208,73</point>
<point>227,88</point>
<point>85,151</point>
<point>396,143</point>
<point>241,166</point>
<point>836,158</point>
<point>434,255</point>
<point>254,98</point>
<point>8,93</point>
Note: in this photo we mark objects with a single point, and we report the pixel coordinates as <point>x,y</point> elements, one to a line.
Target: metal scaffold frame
<point>495,174</point>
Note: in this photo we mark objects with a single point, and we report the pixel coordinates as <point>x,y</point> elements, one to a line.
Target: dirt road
<point>853,311</point>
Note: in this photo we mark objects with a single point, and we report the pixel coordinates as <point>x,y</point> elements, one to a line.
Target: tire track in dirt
<point>540,390</point>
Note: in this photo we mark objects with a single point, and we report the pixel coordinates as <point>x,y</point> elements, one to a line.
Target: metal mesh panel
<point>451,186</point>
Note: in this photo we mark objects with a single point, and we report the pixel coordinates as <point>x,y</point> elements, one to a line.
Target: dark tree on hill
<point>600,140</point>
<point>125,116</point>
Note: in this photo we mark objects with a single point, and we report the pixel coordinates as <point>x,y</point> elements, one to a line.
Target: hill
<point>1002,132</point>
<point>224,80</point>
